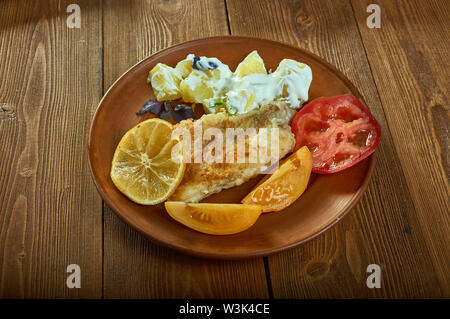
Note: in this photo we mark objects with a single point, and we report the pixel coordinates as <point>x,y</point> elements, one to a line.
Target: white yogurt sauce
<point>289,83</point>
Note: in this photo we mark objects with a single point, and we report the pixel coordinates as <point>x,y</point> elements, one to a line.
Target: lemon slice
<point>143,167</point>
<point>214,219</point>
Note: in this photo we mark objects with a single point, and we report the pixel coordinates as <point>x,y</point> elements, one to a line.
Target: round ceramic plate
<point>327,199</point>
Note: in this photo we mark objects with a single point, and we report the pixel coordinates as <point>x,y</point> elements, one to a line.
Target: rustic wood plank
<point>384,227</point>
<point>411,49</point>
<point>133,266</point>
<point>50,213</point>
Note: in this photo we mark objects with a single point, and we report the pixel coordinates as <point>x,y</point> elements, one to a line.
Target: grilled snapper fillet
<point>203,179</point>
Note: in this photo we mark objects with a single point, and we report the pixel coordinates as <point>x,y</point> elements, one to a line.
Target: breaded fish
<point>203,179</point>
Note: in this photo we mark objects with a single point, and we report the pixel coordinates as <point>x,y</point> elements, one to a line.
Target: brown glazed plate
<point>327,199</point>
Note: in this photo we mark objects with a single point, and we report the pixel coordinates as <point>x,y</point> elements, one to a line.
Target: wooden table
<point>52,78</point>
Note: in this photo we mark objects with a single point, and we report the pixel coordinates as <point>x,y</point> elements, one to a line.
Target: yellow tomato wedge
<point>283,187</point>
<point>143,167</point>
<point>214,219</point>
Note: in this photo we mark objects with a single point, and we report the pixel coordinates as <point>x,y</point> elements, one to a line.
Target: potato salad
<point>208,81</point>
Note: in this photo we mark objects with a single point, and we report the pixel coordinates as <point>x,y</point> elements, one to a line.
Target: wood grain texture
<point>50,213</point>
<point>411,49</point>
<point>133,266</point>
<point>384,228</point>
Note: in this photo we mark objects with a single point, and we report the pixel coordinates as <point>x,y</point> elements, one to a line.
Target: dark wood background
<point>52,78</point>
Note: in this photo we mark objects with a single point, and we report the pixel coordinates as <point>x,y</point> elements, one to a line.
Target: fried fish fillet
<point>203,179</point>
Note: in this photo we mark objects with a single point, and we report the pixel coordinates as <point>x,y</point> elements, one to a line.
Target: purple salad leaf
<point>151,106</point>
<point>167,110</point>
<point>165,115</point>
<point>182,112</point>
<point>167,105</point>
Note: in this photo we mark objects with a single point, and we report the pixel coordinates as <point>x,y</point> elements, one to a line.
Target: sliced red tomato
<point>339,131</point>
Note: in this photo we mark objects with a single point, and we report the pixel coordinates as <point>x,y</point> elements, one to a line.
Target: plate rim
<point>229,256</point>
